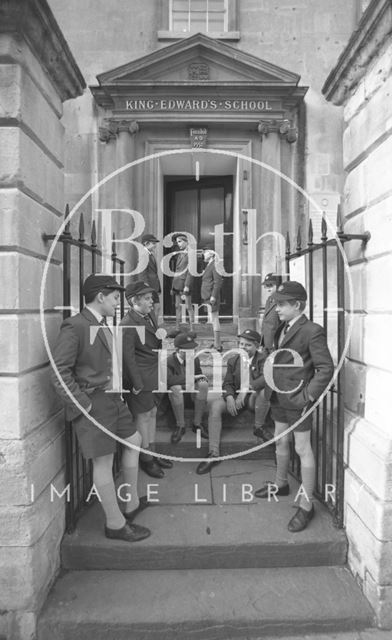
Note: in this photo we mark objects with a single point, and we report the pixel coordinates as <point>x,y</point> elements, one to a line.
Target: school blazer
<point>232,380</point>
<point>270,324</point>
<point>83,367</point>
<point>140,361</point>
<point>312,377</point>
<point>176,373</point>
<point>211,282</point>
<point>183,279</point>
<point>150,274</point>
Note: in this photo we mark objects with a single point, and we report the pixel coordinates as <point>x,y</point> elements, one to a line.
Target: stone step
<point>202,604</point>
<point>237,437</point>
<point>229,530</point>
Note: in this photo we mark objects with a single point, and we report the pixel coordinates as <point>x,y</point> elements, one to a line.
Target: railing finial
<point>310,233</point>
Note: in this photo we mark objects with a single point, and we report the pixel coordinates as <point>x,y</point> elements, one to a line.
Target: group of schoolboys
<point>85,360</point>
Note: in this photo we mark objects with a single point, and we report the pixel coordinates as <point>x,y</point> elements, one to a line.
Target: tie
<point>283,333</point>
<point>103,322</point>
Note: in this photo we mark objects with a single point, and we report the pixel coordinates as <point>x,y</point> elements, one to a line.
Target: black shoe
<point>267,492</point>
<point>300,519</point>
<point>128,533</point>
<point>207,465</point>
<point>262,434</point>
<point>151,468</point>
<point>131,515</point>
<point>165,464</point>
<point>177,434</point>
<point>203,430</point>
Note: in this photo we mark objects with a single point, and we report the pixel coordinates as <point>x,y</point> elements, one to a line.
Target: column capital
<point>111,128</point>
<point>285,128</point>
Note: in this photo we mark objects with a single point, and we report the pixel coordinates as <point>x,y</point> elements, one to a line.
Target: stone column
<point>120,137</point>
<point>37,74</point>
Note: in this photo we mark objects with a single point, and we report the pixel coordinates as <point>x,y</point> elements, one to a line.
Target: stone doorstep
<point>237,436</point>
<point>223,531</point>
<point>202,604</point>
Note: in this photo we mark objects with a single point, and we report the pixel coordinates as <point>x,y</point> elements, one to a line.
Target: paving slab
<point>203,605</point>
<point>177,486</point>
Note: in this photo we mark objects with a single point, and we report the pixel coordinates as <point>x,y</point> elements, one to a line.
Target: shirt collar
<point>95,313</point>
<point>293,320</point>
<point>179,358</point>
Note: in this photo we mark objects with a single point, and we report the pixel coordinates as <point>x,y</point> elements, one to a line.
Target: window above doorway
<point>182,18</point>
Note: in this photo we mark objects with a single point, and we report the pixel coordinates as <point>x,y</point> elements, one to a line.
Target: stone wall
<point>37,73</point>
<point>362,81</point>
<point>303,36</point>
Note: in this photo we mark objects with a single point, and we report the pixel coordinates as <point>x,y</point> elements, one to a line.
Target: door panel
<point>196,207</point>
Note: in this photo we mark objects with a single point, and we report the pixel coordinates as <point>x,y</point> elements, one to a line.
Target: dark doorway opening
<point>196,207</point>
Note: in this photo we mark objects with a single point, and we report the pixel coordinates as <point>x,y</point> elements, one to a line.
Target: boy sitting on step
<point>176,383</point>
<point>233,399</point>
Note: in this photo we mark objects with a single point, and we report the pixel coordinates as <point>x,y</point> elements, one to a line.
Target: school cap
<point>137,289</point>
<point>250,334</point>
<point>179,235</point>
<point>272,278</point>
<point>185,341</point>
<point>290,290</point>
<point>149,237</point>
<point>93,284</point>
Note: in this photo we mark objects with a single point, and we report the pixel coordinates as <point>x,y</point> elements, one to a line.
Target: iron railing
<point>79,473</point>
<point>328,427</point>
<point>328,284</point>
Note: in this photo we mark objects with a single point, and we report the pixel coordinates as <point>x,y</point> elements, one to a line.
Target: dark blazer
<point>269,324</point>
<point>308,340</point>
<point>176,372</point>
<point>183,279</point>
<point>211,282</point>
<point>140,362</point>
<point>84,367</point>
<point>150,274</point>
<point>232,381</point>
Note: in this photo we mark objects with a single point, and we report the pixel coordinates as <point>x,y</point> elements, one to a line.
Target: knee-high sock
<point>217,339</point>
<point>103,480</point>
<point>200,402</point>
<point>282,455</point>
<point>130,469</point>
<point>308,475</point>
<point>177,403</point>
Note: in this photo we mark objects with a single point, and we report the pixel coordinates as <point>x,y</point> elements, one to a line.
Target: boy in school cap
<point>233,400</point>
<point>181,287</point>
<point>292,390</point>
<point>150,273</point>
<point>176,382</point>
<point>140,371</point>
<point>85,369</point>
<point>269,324</point>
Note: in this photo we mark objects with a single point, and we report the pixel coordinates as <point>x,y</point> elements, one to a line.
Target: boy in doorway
<point>84,359</point>
<point>176,383</point>
<point>182,282</point>
<point>292,389</point>
<point>269,325</point>
<point>150,274</point>
<point>210,292</point>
